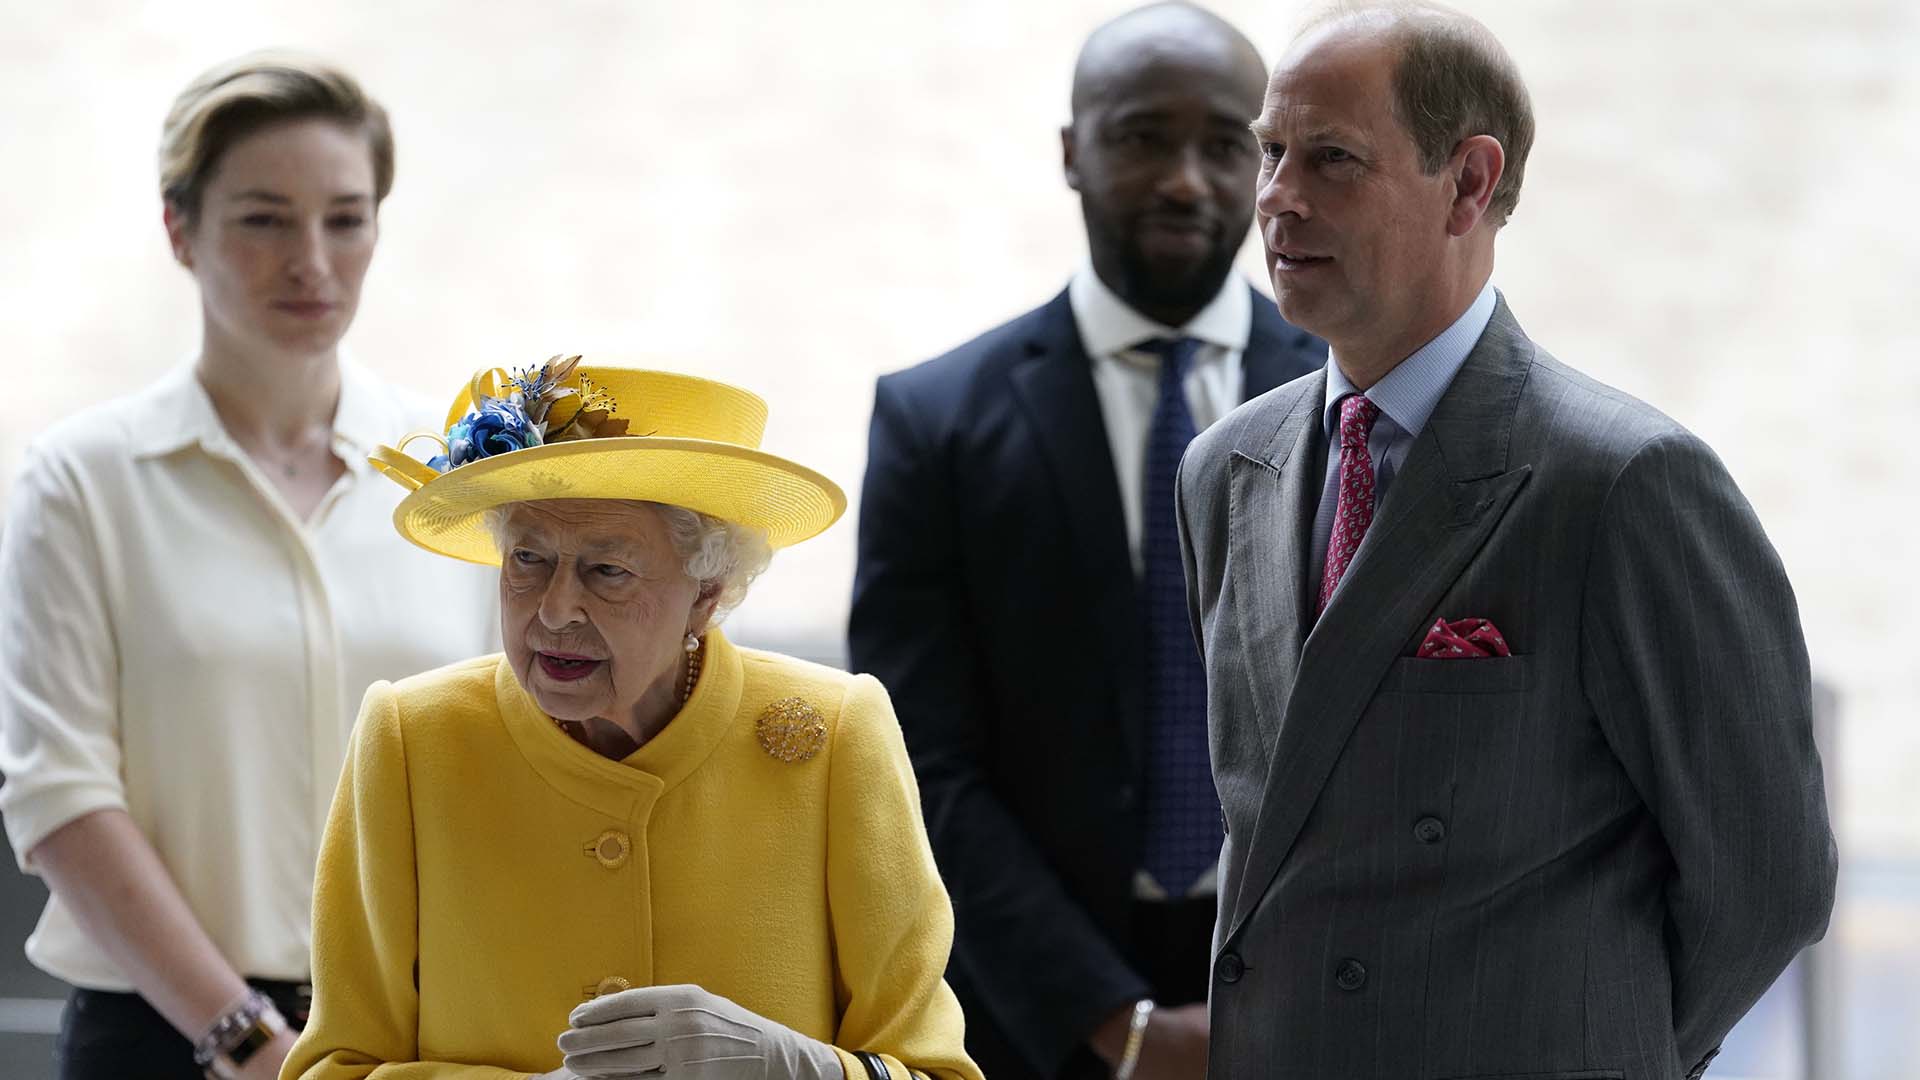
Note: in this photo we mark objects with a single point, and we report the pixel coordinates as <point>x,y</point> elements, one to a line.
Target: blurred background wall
<point>1718,217</point>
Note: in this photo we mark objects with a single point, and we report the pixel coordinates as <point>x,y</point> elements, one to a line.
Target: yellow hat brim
<point>734,483</point>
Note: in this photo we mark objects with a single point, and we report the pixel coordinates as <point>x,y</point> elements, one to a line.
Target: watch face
<point>256,1037</point>
<point>239,1035</point>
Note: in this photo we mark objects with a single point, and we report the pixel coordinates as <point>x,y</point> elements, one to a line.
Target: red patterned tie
<point>1353,511</point>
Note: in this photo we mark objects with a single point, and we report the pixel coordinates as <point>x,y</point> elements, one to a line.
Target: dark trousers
<point>109,1036</point>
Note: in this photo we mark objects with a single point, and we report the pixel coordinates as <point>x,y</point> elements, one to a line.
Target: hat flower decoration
<point>565,430</point>
<point>538,407</point>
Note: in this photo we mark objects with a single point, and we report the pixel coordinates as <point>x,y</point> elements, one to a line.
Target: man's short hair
<point>1453,80</point>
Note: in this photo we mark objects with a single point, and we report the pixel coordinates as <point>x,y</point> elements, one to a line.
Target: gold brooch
<point>791,730</point>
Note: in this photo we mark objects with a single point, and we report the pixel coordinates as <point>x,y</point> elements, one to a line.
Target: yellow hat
<point>566,431</point>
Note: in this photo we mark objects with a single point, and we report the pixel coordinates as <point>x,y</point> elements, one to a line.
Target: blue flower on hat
<point>499,426</point>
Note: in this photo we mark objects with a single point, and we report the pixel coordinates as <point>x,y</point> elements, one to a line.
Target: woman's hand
<point>107,873</point>
<point>685,1032</point>
<point>265,1062</point>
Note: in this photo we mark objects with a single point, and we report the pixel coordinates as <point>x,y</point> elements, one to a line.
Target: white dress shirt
<point>175,643</point>
<point>1127,380</point>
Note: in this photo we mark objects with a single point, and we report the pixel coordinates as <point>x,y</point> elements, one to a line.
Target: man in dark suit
<point>1019,588</point>
<point>1509,700</point>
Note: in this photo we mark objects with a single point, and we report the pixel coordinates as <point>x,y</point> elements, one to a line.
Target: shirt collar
<point>177,412</point>
<point>1408,394</point>
<point>1109,327</point>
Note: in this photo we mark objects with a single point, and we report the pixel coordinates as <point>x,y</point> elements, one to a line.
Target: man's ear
<point>1067,157</point>
<point>178,227</point>
<point>1476,167</point>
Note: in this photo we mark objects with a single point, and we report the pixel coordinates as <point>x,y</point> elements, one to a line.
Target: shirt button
<point>610,849</point>
<point>1430,830</point>
<point>1232,968</point>
<point>1350,975</point>
<point>612,984</point>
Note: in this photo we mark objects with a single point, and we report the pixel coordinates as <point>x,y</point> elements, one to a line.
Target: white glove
<point>557,1074</point>
<point>685,1033</point>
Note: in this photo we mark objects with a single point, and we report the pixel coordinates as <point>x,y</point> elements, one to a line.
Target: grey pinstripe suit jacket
<point>1587,860</point>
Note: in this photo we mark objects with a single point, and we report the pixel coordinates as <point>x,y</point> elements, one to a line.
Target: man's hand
<point>1175,1046</point>
<point>685,1033</point>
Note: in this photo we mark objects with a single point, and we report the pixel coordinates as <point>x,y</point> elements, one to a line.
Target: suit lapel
<point>1054,385</point>
<point>1273,486</point>
<point>1278,483</point>
<point>1452,491</point>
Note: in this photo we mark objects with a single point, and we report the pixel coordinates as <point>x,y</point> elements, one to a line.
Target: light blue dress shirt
<point>1406,398</point>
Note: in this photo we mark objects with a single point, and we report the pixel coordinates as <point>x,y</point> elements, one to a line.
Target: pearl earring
<point>693,669</point>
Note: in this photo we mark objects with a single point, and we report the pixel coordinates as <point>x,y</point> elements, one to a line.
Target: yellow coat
<point>519,874</point>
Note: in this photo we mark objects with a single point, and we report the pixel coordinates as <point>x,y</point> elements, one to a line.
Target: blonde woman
<point>197,582</point>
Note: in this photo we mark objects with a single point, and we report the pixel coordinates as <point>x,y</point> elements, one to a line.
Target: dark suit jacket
<point>1584,860</point>
<point>996,599</point>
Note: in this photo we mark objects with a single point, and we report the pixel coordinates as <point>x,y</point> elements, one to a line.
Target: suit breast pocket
<point>1477,675</point>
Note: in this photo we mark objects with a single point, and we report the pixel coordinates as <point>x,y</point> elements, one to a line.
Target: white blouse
<point>175,643</point>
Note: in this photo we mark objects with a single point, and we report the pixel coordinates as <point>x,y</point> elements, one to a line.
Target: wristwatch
<point>236,1035</point>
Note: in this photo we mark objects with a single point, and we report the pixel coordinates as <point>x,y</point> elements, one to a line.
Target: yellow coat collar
<point>618,787</point>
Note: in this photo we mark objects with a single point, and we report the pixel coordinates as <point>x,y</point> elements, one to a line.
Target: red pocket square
<point>1463,638</point>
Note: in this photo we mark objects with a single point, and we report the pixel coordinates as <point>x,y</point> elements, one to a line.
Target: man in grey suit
<point>1508,698</point>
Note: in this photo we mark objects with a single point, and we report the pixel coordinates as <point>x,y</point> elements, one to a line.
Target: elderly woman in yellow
<point>626,847</point>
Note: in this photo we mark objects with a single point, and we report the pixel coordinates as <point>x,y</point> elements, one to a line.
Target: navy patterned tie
<point>1183,813</point>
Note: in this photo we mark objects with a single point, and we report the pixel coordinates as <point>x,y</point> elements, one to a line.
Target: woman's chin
<point>303,337</point>
<point>565,701</point>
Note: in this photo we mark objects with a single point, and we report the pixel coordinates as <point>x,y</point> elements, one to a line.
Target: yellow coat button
<point>611,849</point>
<point>612,984</point>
